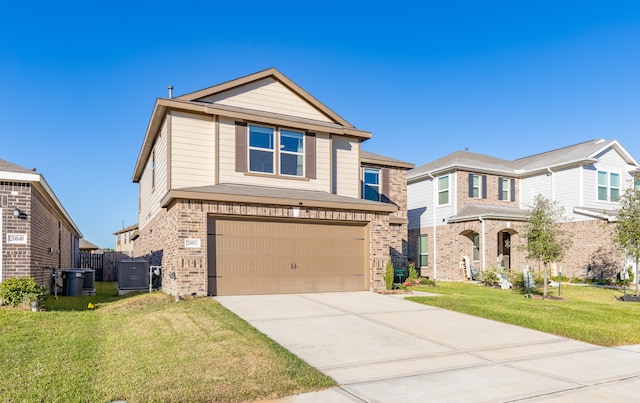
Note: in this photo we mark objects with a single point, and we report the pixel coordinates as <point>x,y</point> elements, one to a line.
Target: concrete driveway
<point>382,348</point>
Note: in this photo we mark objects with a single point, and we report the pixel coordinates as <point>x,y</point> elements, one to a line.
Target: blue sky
<point>505,78</point>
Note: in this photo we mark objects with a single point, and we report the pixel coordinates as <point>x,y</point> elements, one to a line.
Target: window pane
<point>443,183</point>
<point>443,197</point>
<point>602,193</point>
<point>261,161</point>
<point>371,193</point>
<point>291,164</point>
<point>615,180</point>
<point>261,137</point>
<point>476,186</point>
<point>423,244</point>
<point>615,194</point>
<point>291,141</point>
<point>424,260</point>
<point>602,178</point>
<point>372,176</point>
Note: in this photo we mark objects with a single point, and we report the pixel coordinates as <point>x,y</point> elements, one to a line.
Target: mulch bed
<point>548,297</point>
<point>388,292</point>
<point>629,298</point>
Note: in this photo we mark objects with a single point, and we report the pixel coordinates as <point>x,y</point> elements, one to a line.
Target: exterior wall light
<point>19,213</point>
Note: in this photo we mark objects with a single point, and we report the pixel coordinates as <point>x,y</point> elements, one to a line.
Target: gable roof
<point>11,172</point>
<point>192,102</point>
<point>378,159</point>
<point>581,153</point>
<point>271,72</point>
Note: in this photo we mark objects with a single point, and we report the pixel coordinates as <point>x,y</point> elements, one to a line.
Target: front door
<point>504,249</point>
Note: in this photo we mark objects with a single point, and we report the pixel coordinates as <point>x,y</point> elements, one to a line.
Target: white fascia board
<point>38,180</point>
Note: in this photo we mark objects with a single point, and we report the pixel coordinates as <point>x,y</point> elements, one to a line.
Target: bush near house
<point>18,291</point>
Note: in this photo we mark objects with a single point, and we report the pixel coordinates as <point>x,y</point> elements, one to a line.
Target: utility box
<point>133,275</point>
<point>72,282</point>
<point>89,284</point>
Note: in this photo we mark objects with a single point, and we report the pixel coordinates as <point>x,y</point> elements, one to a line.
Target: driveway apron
<point>382,348</point>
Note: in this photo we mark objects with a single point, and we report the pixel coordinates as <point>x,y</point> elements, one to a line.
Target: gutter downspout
<point>553,184</point>
<point>435,234</point>
<point>483,243</point>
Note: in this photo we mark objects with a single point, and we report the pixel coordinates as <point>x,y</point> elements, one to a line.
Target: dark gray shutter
<point>499,188</point>
<point>241,146</point>
<point>470,185</point>
<point>384,173</point>
<point>513,190</point>
<point>484,186</point>
<point>310,155</point>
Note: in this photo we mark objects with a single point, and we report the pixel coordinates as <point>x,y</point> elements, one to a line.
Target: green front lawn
<point>142,348</point>
<point>590,314</point>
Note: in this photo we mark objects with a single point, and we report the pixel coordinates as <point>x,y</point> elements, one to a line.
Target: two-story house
<point>467,209</point>
<point>125,239</point>
<point>254,186</point>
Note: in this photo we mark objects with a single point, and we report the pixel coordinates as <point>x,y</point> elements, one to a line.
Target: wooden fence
<point>105,264</point>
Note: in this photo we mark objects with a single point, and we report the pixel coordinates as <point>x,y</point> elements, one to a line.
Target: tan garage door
<point>271,257</point>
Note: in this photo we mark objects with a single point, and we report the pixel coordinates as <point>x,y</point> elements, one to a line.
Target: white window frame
<point>276,152</point>
<point>474,187</point>
<point>608,187</point>
<point>506,189</point>
<point>422,253</point>
<point>281,152</point>
<point>365,184</point>
<point>447,190</point>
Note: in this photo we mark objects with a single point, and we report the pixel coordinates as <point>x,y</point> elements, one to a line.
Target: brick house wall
<point>462,193</point>
<point>592,254</point>
<point>44,229</point>
<point>188,219</point>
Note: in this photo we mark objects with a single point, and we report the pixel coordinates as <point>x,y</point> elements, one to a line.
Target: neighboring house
<point>86,246</point>
<point>468,209</point>
<point>254,186</point>
<point>36,230</point>
<point>125,238</point>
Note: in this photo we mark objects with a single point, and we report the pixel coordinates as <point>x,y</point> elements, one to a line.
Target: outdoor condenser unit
<point>133,275</point>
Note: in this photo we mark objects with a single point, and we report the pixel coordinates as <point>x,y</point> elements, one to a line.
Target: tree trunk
<point>545,278</point>
<point>635,279</point>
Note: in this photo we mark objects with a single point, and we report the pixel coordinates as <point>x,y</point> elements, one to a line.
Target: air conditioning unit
<point>133,275</point>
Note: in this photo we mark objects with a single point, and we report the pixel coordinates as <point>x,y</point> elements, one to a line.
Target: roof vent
<point>170,91</point>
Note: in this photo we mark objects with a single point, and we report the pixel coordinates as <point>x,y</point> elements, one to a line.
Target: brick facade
<point>188,219</point>
<point>592,254</point>
<point>44,230</point>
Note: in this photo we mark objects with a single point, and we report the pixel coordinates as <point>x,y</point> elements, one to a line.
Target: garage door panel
<point>263,257</point>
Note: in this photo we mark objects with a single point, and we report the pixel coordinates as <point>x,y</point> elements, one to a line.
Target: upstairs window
<point>371,184</point>
<point>478,186</point>
<point>268,145</point>
<point>261,149</point>
<point>608,186</point>
<point>507,189</point>
<point>291,153</point>
<point>443,190</point>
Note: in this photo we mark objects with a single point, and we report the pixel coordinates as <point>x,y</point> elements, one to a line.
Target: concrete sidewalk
<point>381,348</point>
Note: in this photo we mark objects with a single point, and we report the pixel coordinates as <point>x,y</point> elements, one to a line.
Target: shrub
<point>489,278</point>
<point>413,273</point>
<point>21,291</point>
<point>388,275</point>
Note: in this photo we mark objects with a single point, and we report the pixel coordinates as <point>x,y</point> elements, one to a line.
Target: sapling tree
<point>627,229</point>
<point>546,240</point>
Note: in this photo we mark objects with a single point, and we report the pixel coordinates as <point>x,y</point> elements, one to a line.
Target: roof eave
<point>174,195</point>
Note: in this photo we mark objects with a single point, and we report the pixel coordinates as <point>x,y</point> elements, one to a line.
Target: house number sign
<point>191,243</point>
<point>17,239</point>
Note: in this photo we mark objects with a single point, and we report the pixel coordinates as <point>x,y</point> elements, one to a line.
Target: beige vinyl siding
<point>150,197</point>
<point>346,166</point>
<point>192,150</point>
<point>228,173</point>
<point>268,95</point>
